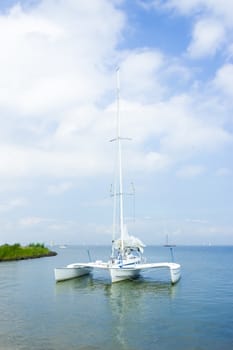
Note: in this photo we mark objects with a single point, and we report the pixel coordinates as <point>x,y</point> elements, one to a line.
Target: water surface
<point>89,313</point>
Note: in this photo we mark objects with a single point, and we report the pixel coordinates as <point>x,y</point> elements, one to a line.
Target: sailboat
<point>126,260</point>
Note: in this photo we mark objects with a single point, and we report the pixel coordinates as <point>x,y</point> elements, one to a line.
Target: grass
<point>18,252</point>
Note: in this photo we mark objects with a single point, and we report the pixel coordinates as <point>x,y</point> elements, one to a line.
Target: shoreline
<point>50,254</point>
<point>16,252</point>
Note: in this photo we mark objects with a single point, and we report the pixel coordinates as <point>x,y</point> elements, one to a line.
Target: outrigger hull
<point>124,273</point>
<point>71,271</point>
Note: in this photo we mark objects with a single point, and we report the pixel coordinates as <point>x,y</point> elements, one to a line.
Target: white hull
<point>120,274</point>
<point>175,273</point>
<point>71,271</point>
<point>174,269</point>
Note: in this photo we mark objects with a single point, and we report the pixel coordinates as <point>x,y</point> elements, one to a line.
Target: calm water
<point>89,314</point>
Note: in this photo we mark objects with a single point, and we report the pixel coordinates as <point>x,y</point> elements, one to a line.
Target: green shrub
<point>17,252</point>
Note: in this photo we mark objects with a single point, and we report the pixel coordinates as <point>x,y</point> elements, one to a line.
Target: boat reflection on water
<point>76,284</point>
<point>120,309</point>
<point>136,304</point>
<point>130,288</point>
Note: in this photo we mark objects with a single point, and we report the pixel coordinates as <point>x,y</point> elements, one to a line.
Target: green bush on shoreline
<point>18,252</point>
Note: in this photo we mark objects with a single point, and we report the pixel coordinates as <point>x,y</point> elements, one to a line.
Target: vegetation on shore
<point>18,252</point>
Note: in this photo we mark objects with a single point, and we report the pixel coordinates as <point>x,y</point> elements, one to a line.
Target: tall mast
<point>119,160</point>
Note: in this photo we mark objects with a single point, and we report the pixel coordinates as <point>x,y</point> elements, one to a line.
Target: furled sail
<point>129,241</point>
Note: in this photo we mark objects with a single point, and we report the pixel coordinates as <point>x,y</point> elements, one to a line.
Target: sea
<point>89,313</point>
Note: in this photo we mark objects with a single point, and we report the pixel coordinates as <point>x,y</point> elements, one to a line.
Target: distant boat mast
<point>167,244</point>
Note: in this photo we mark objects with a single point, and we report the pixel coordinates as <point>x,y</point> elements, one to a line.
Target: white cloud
<point>197,221</point>
<point>106,202</point>
<point>223,9</point>
<point>52,54</point>
<point>31,221</point>
<point>63,227</point>
<point>223,79</point>
<point>59,188</point>
<point>13,204</point>
<point>79,147</point>
<point>59,76</point>
<point>212,23</point>
<point>183,6</point>
<point>140,74</point>
<point>208,36</point>
<point>224,172</point>
<point>190,171</point>
<point>150,161</point>
<point>175,129</point>
<point>53,64</point>
<point>186,128</point>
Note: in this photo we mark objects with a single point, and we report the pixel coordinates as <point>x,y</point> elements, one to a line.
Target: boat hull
<point>118,274</point>
<point>175,272</point>
<point>70,272</point>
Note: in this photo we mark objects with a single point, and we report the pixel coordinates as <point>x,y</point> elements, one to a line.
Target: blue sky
<point>57,110</point>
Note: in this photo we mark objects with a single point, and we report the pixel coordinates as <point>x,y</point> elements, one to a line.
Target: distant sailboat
<point>126,261</point>
<point>167,244</point>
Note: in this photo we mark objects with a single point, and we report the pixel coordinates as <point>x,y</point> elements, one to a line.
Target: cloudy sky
<point>58,111</point>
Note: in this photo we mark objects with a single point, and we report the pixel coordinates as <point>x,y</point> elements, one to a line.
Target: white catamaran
<point>126,261</point>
